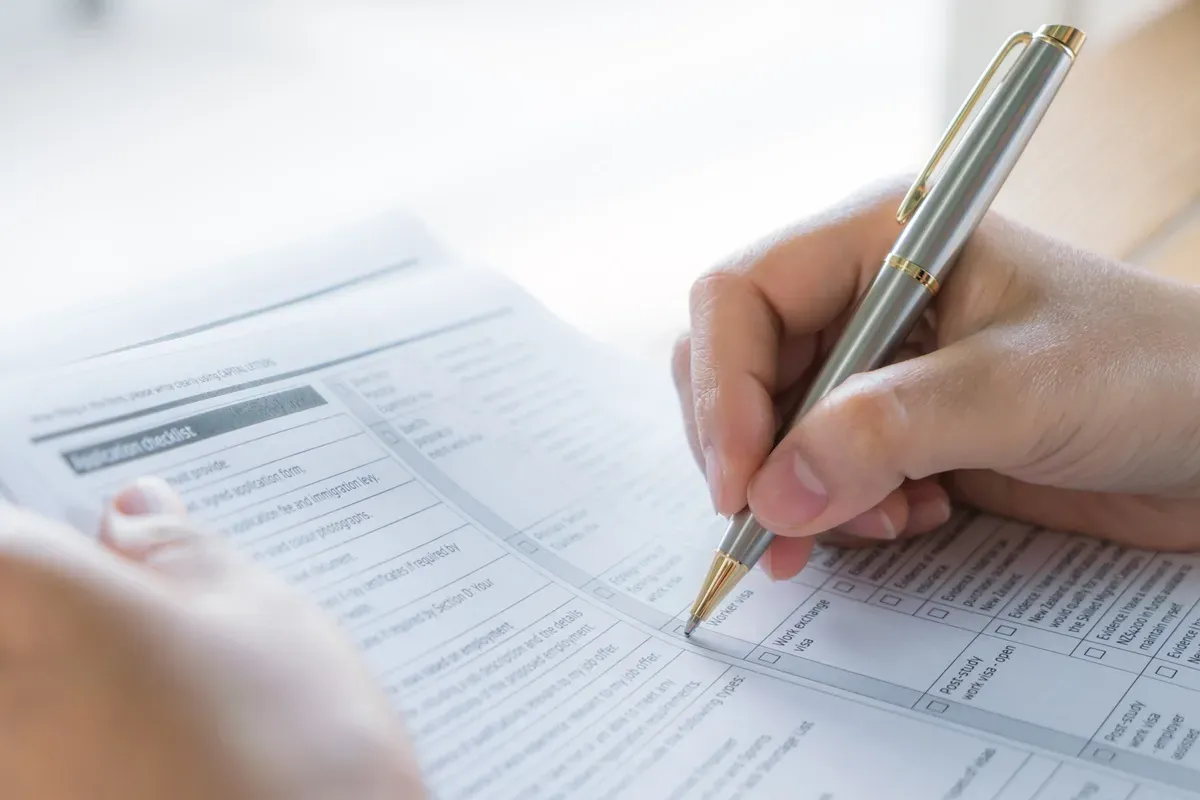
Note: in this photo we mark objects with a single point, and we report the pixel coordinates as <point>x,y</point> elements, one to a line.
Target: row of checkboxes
<point>893,600</point>
<point>936,706</point>
<point>845,587</point>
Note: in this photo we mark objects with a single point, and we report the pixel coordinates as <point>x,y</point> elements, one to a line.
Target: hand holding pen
<point>857,445</point>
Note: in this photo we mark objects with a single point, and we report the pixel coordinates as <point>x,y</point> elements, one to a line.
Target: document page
<point>170,305</point>
<point>507,521</point>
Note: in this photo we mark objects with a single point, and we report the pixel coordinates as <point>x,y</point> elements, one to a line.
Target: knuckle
<point>871,414</point>
<point>707,398</point>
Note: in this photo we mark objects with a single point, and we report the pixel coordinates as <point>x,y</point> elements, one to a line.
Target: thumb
<point>943,411</point>
<point>147,523</point>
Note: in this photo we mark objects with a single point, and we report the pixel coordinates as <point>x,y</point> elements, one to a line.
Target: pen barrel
<point>984,157</point>
<point>926,248</point>
<point>883,318</point>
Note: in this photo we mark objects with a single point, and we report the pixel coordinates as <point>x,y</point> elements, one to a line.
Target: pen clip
<point>920,187</point>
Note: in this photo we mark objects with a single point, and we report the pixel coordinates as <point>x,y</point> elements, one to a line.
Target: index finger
<point>794,285</point>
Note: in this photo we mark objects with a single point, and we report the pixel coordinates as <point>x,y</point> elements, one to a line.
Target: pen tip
<point>691,626</point>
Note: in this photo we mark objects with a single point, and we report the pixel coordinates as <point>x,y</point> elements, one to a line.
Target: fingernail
<point>789,491</point>
<point>873,524</point>
<point>712,472</point>
<point>929,514</point>
<point>147,496</point>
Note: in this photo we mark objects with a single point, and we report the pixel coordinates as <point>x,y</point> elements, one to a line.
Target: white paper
<point>508,522</point>
<point>170,306</point>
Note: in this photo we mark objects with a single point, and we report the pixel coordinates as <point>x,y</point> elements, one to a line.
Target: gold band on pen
<point>913,271</point>
<point>1063,36</point>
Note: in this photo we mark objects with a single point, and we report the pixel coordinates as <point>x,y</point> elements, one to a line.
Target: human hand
<point>1046,384</point>
<point>155,664</point>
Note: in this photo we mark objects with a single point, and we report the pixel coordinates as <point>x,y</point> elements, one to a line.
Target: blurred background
<point>602,154</point>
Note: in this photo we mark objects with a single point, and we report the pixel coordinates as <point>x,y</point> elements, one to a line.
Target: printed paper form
<point>511,528</point>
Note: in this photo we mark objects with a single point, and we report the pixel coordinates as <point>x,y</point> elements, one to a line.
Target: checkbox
<point>890,600</point>
<point>529,547</point>
<point>937,613</point>
<point>679,630</point>
<point>388,436</point>
<point>1094,652</point>
<point>770,658</point>
<point>844,586</point>
<point>1005,630</point>
<point>1102,754</point>
<point>1166,672</point>
<point>604,592</point>
<point>936,706</point>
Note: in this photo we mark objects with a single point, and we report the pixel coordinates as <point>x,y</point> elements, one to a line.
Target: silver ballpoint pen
<point>938,221</point>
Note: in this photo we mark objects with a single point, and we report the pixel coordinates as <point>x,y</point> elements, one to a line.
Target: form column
<point>440,440</point>
<point>1028,675</point>
<point>1153,729</point>
<point>973,588</point>
<point>838,637</point>
<point>510,437</point>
